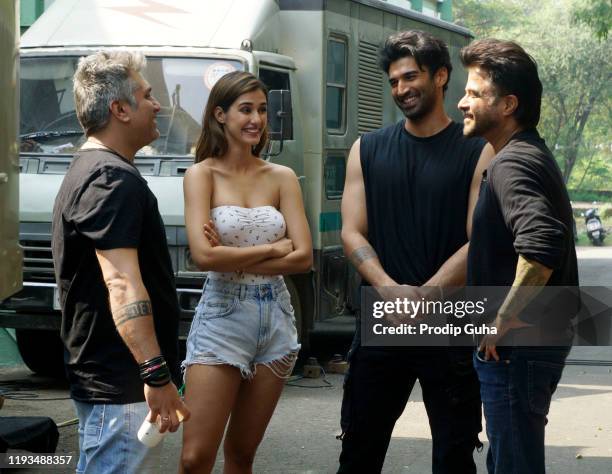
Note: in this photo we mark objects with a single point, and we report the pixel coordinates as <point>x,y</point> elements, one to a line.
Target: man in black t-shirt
<point>521,238</point>
<point>119,307</point>
<point>409,192</point>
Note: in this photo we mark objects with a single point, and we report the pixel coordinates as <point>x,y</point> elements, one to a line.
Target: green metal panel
<point>330,221</point>
<point>446,10</point>
<point>417,5</point>
<point>10,252</point>
<point>30,10</point>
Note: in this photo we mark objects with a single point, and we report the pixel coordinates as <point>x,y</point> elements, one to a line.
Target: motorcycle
<point>595,229</point>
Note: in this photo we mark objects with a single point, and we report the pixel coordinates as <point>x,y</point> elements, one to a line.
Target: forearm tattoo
<point>362,254</point>
<point>530,278</point>
<point>138,309</point>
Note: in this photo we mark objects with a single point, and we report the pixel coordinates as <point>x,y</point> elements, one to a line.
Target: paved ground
<point>301,436</point>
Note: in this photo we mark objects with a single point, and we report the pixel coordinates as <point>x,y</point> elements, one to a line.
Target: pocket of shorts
<point>218,305</point>
<point>285,304</point>
<point>543,378</point>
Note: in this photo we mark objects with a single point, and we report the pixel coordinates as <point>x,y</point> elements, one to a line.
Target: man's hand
<point>488,345</point>
<point>392,293</point>
<point>165,403</point>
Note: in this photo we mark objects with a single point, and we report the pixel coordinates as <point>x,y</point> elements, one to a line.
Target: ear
<point>219,115</point>
<point>441,77</point>
<point>119,110</point>
<point>510,104</point>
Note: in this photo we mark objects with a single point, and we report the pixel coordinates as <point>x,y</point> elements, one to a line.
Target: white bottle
<point>148,433</point>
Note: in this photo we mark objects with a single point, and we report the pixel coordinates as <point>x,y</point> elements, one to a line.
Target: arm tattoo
<point>530,278</point>
<point>138,309</point>
<point>362,254</point>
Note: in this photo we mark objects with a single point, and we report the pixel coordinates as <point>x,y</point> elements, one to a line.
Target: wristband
<point>154,372</point>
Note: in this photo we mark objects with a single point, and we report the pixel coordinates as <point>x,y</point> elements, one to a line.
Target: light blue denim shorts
<point>243,326</point>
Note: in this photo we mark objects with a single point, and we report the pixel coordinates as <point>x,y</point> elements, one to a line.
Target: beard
<point>479,125</point>
<point>424,104</point>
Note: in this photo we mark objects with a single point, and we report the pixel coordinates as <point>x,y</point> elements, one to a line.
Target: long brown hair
<point>212,141</point>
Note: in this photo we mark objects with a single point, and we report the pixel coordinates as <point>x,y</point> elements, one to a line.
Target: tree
<point>596,14</point>
<point>574,66</point>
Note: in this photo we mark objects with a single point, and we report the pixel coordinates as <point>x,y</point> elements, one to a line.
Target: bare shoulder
<point>280,173</point>
<point>200,171</point>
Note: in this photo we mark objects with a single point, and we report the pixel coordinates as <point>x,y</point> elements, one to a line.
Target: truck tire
<point>42,351</point>
<point>302,298</point>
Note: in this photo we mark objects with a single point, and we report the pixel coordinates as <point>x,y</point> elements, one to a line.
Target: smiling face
<point>143,125</point>
<point>246,119</point>
<point>480,105</point>
<point>414,90</point>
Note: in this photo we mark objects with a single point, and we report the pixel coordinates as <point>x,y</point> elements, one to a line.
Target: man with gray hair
<point>120,312</point>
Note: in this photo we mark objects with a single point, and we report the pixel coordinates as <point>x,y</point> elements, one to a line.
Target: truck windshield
<point>181,85</point>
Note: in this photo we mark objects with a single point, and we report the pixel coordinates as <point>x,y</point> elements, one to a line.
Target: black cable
<point>15,390</point>
<point>323,378</point>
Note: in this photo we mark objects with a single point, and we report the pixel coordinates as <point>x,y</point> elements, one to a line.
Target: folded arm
<point>197,187</point>
<point>292,208</point>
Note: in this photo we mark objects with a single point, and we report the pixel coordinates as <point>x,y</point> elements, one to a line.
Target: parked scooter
<point>595,229</point>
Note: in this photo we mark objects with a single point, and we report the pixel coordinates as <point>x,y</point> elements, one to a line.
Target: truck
<point>321,55</point>
<point>11,256</point>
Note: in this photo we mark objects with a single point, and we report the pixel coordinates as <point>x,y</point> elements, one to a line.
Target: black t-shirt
<point>104,203</point>
<point>523,209</point>
<point>417,192</point>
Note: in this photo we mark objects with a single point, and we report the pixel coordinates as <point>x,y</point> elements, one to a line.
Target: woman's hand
<point>282,247</point>
<point>210,231</point>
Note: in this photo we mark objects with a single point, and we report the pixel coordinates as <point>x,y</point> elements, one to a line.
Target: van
<point>322,55</point>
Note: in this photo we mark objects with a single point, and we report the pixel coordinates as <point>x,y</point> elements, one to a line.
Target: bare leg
<point>250,417</point>
<point>211,392</point>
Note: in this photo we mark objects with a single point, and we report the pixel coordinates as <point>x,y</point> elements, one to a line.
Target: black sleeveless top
<point>417,193</point>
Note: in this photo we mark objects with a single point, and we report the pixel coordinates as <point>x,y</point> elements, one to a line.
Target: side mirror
<point>280,115</point>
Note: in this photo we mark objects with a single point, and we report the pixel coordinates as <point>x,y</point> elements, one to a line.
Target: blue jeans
<point>108,442</point>
<point>516,393</point>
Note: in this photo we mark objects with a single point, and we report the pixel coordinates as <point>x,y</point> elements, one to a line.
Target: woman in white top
<point>247,227</point>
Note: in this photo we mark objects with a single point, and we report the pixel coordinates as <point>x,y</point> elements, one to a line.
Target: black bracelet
<point>154,372</point>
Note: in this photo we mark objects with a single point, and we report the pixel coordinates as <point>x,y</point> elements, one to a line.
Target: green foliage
<point>575,68</point>
<point>596,14</point>
<point>588,196</point>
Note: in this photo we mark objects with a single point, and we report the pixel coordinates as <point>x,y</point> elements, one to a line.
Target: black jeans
<point>376,391</point>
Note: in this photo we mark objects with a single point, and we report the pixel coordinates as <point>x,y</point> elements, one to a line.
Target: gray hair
<point>100,79</point>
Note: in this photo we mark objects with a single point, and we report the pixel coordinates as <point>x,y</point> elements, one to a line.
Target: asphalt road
<point>301,436</point>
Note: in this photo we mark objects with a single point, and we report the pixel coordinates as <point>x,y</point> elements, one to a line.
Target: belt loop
<point>242,291</point>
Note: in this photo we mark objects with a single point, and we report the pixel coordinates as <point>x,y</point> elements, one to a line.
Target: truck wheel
<point>302,299</point>
<point>42,351</point>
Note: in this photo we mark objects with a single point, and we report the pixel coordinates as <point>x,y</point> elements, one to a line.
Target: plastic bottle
<point>148,433</point>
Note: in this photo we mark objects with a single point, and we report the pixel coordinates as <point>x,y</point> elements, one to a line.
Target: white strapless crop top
<point>245,227</point>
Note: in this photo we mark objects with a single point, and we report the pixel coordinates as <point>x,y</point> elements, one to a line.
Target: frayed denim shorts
<point>243,326</point>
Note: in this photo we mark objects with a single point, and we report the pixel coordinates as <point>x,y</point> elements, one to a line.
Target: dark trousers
<point>377,388</point>
<point>516,395</point>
